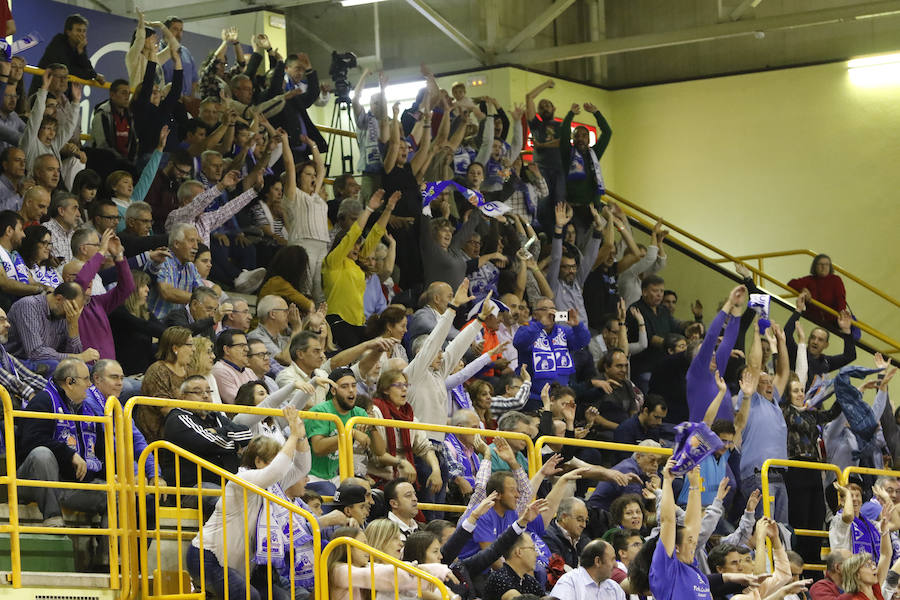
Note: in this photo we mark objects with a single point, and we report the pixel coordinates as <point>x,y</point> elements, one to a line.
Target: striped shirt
<point>60,241</point>
<point>305,218</point>
<point>35,334</point>
<point>183,276</point>
<point>261,217</point>
<point>17,378</point>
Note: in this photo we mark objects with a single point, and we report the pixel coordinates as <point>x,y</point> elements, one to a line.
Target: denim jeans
<point>424,472</point>
<point>776,489</point>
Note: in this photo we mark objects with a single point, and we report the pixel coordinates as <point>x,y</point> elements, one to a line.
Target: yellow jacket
<point>345,282</point>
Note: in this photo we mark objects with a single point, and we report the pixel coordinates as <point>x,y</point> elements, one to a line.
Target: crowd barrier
<point>128,490</point>
<point>349,543</point>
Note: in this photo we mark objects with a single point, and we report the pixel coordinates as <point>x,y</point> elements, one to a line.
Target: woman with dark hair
<point>203,262</point>
<point>390,323</point>
<point>35,252</point>
<point>84,187</point>
<point>134,327</point>
<point>286,277</point>
<point>824,286</point>
<point>626,512</point>
<point>164,378</point>
<point>267,215</point>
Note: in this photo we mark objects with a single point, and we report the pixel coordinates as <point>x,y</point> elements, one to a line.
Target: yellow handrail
<point>346,465</point>
<point>349,542</point>
<point>845,476</point>
<point>114,531</point>
<point>143,489</point>
<point>636,212</point>
<point>127,422</point>
<point>807,252</point>
<point>767,498</point>
<point>600,445</point>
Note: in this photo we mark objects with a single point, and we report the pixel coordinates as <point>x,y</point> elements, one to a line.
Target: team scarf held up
<point>433,190</point>
<point>67,432</point>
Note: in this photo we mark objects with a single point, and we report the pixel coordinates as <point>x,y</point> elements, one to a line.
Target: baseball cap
<point>336,374</point>
<point>349,494</point>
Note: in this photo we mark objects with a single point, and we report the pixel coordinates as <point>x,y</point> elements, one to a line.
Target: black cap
<point>336,374</point>
<point>349,494</point>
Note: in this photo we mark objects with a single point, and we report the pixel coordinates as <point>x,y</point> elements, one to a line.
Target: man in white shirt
<point>591,580</point>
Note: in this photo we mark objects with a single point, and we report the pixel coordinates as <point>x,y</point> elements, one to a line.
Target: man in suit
<point>200,315</point>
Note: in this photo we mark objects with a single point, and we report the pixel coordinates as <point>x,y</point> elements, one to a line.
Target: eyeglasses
<point>183,172</point>
<point>91,244</point>
<point>246,311</point>
<point>245,344</point>
<point>199,392</point>
<point>263,354</point>
<point>401,385</point>
<point>115,217</point>
<point>44,242</point>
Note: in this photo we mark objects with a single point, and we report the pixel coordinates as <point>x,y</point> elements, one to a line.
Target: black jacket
<point>133,337</point>
<point>179,318</point>
<point>214,438</point>
<point>467,569</point>
<point>33,433</point>
<point>59,51</point>
<point>558,543</point>
<point>294,112</point>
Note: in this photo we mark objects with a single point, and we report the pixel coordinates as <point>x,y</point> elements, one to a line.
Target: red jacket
<point>828,290</point>
<point>825,589</point>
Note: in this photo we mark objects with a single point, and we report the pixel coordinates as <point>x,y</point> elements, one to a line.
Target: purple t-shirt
<point>491,525</point>
<point>671,579</point>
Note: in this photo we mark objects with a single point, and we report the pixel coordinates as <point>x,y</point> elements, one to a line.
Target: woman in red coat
<point>823,285</point>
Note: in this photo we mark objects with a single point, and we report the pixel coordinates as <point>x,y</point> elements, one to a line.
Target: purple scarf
<point>66,432</point>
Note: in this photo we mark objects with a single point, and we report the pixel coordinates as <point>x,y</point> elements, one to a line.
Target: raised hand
<point>753,500</point>
<point>551,466</point>
<point>588,107</point>
<point>667,470</point>
<point>724,488</point>
<point>163,136</point>
<point>461,296</point>
<point>720,383</point>
<point>638,316</point>
<point>487,307</point>
<point>484,506</point>
<point>392,202</point>
<point>575,108</point>
<point>505,452</point>
<point>533,510</point>
<point>231,179</point>
<point>844,321</point>
<point>376,200</point>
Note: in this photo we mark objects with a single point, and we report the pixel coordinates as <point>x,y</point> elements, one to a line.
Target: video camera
<point>340,64</point>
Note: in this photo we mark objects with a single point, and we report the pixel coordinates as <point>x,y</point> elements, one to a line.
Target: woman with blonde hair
<point>134,327</point>
<point>202,363</point>
<point>862,576</point>
<point>380,577</point>
<point>164,378</point>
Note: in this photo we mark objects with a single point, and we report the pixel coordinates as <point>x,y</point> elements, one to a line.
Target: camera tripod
<point>340,145</point>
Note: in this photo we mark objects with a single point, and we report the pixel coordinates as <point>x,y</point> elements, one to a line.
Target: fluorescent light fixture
<point>346,3</point>
<point>404,93</point>
<point>873,71</point>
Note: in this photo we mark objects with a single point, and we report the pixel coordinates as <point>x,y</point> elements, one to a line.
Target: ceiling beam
<point>540,22</point>
<point>743,7</point>
<point>701,34</point>
<point>295,23</point>
<point>450,31</point>
<point>218,8</point>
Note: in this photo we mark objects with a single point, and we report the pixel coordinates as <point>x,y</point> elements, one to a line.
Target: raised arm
<point>713,409</point>
<point>290,171</point>
<point>423,154</point>
<point>530,110</point>
<point>393,150</point>
<point>782,364</point>
<point>667,525</point>
<point>319,162</point>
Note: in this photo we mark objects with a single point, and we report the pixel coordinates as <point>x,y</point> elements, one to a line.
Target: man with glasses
<point>137,237</point>
<point>545,346</point>
<point>258,362</point>
<point>200,315</point>
<point>565,534</point>
<point>104,214</point>
<point>209,434</point>
<point>64,218</point>
<point>516,576</point>
<point>239,316</point>
<point>60,450</point>
<point>230,369</point>
<point>277,323</point>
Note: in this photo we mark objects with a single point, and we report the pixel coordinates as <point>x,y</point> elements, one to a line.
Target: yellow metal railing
<point>249,549</point>
<point>647,218</point>
<point>346,464</point>
<point>349,543</point>
<point>115,492</point>
<point>600,445</point>
<point>768,500</point>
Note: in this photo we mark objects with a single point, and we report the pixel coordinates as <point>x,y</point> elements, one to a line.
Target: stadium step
<point>40,553</point>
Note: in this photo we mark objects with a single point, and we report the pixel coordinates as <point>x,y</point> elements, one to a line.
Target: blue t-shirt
<point>671,579</point>
<point>491,525</point>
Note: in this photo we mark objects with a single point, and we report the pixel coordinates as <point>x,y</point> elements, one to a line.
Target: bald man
<point>435,300</point>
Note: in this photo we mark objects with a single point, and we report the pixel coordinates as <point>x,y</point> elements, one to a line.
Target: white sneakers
<point>249,281</point>
<point>56,521</point>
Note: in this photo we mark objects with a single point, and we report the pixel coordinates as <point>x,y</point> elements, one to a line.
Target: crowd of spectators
<point>190,250</point>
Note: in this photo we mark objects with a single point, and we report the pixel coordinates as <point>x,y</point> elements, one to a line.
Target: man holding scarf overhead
<point>59,450</point>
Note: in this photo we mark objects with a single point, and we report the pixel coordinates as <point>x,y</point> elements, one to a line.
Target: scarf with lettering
<point>14,266</point>
<point>282,523</point>
<point>468,460</point>
<point>550,353</point>
<point>66,432</point>
<point>389,410</point>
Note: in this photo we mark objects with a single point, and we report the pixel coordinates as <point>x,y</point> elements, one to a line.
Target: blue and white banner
<point>434,189</point>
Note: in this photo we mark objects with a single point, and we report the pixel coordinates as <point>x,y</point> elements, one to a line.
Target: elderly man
<point>277,322</point>
<point>64,218</point>
<point>59,450</point>
<point>307,358</point>
<point>16,280</point>
<point>829,587</point>
<point>545,346</point>
<point>136,237</point>
<point>108,380</point>
<point>12,167</point>
<point>209,434</point>
<point>45,328</point>
<point>565,534</point>
<point>641,467</point>
<point>19,380</point>
<point>45,172</point>
<point>436,298</point>
<point>239,316</point>
<point>592,579</point>
<point>200,315</point>
<point>35,203</point>
<point>177,276</point>
<point>230,369</point>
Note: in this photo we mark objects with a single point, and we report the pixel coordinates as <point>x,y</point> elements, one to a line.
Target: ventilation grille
<point>64,597</point>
